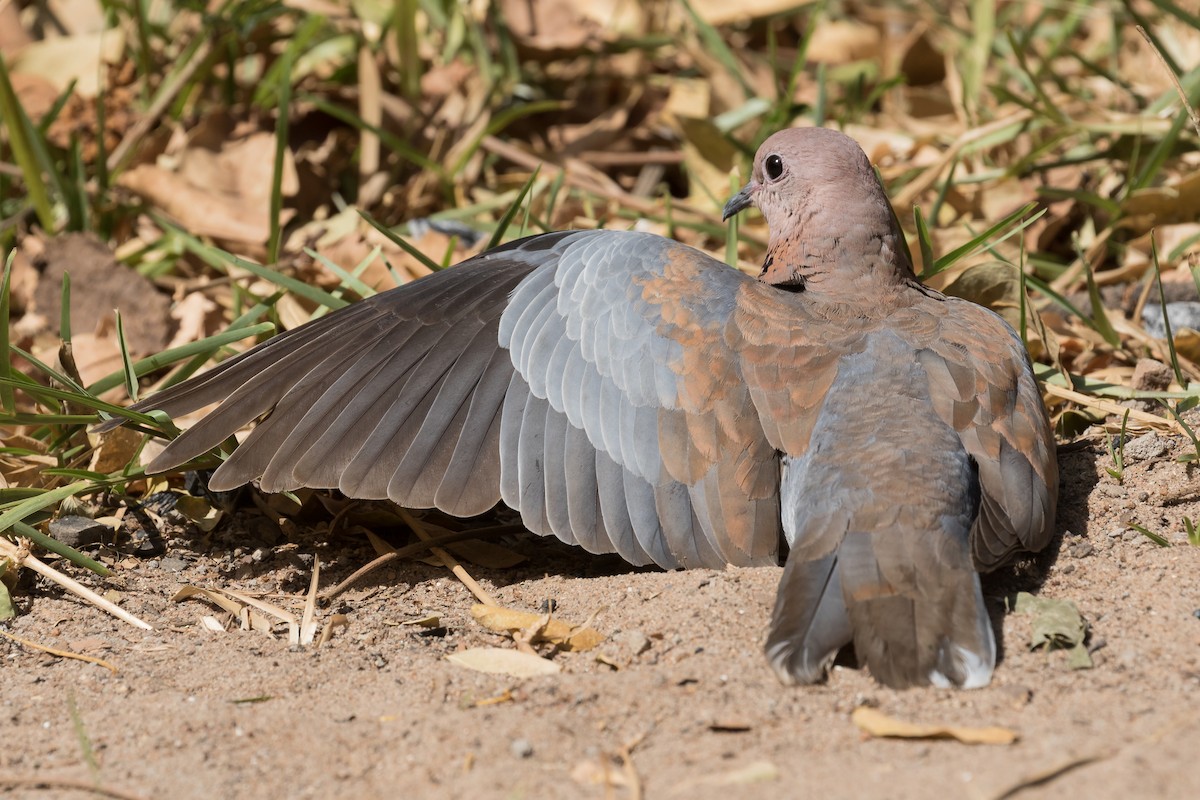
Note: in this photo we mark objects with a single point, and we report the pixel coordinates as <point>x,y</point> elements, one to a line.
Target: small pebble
<point>1145,448</point>
<point>521,748</point>
<point>1183,314</point>
<point>75,531</point>
<point>636,641</point>
<point>1151,375</point>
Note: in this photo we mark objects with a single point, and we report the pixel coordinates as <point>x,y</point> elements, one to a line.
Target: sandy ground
<point>686,707</point>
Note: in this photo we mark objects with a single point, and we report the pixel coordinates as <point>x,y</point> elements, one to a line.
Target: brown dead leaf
<point>552,27</point>
<point>79,58</point>
<point>201,513</point>
<point>722,12</point>
<point>13,35</point>
<point>191,315</point>
<point>222,186</point>
<point>89,644</point>
<point>875,723</point>
<point>114,449</point>
<point>201,211</point>
<point>101,284</point>
<point>843,41</point>
<point>501,661</point>
<point>35,94</point>
<point>97,353</point>
<point>508,620</point>
<point>1178,201</point>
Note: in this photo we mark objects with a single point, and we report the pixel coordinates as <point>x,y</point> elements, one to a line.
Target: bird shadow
<point>1077,479</point>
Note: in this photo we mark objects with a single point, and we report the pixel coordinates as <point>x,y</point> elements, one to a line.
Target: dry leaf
<point>593,773</point>
<point>722,12</point>
<point>114,449</point>
<point>1056,624</point>
<point>199,511</point>
<point>843,41</point>
<point>73,58</point>
<point>508,620</point>
<point>504,662</point>
<point>875,723</point>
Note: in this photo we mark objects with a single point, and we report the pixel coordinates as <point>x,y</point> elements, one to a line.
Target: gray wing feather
<point>541,373</point>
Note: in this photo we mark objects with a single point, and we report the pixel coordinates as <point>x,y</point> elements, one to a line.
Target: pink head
<point>828,215</point>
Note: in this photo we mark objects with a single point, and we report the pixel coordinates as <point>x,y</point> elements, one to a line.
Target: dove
<point>629,394</point>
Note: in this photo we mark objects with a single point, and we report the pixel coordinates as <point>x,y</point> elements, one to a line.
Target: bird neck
<point>856,257</point>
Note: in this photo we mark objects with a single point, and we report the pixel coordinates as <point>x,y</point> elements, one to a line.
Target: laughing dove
<point>629,394</point>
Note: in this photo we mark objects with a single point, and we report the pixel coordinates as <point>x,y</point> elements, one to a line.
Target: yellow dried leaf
<point>226,603</point>
<point>504,662</point>
<point>875,723</point>
<point>114,450</point>
<point>199,511</point>
<point>510,620</point>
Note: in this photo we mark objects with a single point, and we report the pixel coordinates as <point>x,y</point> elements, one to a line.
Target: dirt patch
<point>378,712</point>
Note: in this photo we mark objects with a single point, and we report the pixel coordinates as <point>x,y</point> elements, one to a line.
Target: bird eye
<point>774,167</point>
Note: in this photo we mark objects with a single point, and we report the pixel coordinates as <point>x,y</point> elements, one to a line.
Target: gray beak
<point>740,201</point>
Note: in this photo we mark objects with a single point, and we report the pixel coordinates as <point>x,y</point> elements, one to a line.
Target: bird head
<point>825,207</point>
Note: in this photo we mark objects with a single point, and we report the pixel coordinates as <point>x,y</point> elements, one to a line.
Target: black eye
<point>774,167</point>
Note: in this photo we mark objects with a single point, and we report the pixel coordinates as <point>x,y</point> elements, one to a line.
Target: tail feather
<point>911,626</point>
<point>810,623</point>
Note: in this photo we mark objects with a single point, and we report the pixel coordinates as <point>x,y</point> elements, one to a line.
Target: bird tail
<point>914,611</point>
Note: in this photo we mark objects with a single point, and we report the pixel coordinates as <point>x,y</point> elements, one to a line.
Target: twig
<point>450,561</point>
<point>632,778</point>
<point>1113,407</point>
<point>165,97</point>
<point>604,158</point>
<point>519,157</point>
<point>406,552</point>
<point>23,558</point>
<point>1043,777</point>
<point>307,625</point>
<point>78,785</point>
<point>1183,98</point>
<point>908,195</point>
<point>60,653</point>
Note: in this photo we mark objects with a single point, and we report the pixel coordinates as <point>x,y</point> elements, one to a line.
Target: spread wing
<point>981,384</point>
<point>589,379</point>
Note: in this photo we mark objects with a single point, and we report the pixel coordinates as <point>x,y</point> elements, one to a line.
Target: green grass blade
<point>201,347</point>
<point>8,401</point>
<point>983,239</point>
<point>19,511</point>
<point>498,234</point>
<point>714,43</point>
<point>131,383</point>
<point>404,21</point>
<point>221,260</point>
<point>924,240</point>
<point>13,118</point>
<point>1099,318</point>
<point>1149,534</point>
<point>1162,300</point>
<point>401,242</point>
